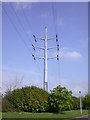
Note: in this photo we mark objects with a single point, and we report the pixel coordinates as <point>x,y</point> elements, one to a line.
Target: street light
<point>80,103</point>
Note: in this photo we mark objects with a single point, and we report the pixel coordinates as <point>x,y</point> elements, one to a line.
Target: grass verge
<point>63,115</point>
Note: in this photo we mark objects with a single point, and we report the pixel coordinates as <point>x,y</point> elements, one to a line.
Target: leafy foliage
<point>60,99</point>
<point>75,103</point>
<point>33,99</point>
<point>28,99</point>
<point>86,102</point>
<point>6,106</point>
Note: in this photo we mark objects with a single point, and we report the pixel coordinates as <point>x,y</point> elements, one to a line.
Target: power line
<point>23,27</point>
<point>54,15</point>
<point>20,34</point>
<point>28,23</point>
<point>20,23</point>
<point>16,29</point>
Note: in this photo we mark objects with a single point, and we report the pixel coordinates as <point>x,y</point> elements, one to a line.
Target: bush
<point>60,99</point>
<point>6,106</point>
<point>75,103</point>
<point>86,102</point>
<point>29,99</point>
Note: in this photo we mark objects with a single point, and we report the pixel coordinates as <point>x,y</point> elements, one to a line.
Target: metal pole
<point>80,103</point>
<point>45,84</point>
<point>45,62</point>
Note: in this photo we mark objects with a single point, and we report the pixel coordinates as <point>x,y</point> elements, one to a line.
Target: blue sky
<point>69,21</point>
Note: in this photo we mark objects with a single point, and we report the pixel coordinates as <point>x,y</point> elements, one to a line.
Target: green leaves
<point>31,99</point>
<point>86,101</point>
<point>75,103</point>
<point>60,99</point>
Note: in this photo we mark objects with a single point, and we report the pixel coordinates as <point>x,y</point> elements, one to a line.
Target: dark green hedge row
<point>28,99</point>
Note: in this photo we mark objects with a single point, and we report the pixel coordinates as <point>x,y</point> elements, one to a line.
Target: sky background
<point>69,20</point>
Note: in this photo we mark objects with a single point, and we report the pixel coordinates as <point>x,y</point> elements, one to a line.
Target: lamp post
<point>80,103</point>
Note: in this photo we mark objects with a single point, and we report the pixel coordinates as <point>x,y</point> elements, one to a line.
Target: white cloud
<point>74,85</point>
<point>8,69</point>
<point>70,54</point>
<point>22,5</point>
<point>10,77</point>
<point>34,78</point>
<point>73,55</point>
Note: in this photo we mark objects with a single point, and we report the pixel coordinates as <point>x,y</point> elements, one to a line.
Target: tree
<point>86,101</point>
<point>60,99</point>
<point>75,103</point>
<point>13,84</point>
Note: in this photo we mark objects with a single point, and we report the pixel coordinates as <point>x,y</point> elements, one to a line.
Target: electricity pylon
<point>45,58</point>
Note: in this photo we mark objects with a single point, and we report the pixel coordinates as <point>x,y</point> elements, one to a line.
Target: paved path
<point>86,117</point>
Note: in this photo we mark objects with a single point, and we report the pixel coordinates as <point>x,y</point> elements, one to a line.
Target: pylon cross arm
<point>40,48</point>
<point>51,48</point>
<point>51,38</point>
<point>40,38</point>
<point>51,58</point>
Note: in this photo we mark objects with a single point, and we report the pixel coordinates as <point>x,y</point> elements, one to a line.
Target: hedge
<point>29,99</point>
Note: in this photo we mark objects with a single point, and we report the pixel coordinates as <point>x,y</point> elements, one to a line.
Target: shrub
<point>6,106</point>
<point>86,102</point>
<point>75,103</point>
<point>60,99</point>
<point>28,99</point>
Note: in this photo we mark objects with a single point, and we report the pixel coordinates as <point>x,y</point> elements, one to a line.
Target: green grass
<point>66,114</point>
